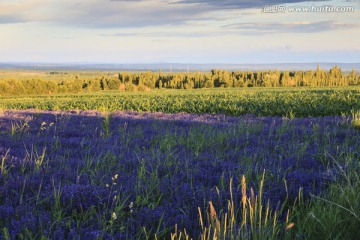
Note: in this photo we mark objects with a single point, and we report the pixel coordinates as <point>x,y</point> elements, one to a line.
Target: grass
<point>33,156</point>
<point>249,219</point>
<point>3,168</point>
<point>17,129</point>
<point>355,118</point>
<point>334,214</point>
<point>106,127</point>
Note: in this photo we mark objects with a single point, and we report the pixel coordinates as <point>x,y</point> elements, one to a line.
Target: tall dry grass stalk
<point>355,122</point>
<point>251,219</point>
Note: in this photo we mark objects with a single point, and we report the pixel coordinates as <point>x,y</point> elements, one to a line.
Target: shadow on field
<point>87,174</point>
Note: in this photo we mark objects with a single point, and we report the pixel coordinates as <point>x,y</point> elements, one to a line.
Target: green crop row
<point>264,102</point>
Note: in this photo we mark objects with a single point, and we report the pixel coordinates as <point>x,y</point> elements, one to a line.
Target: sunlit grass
<point>355,122</point>
<point>252,218</point>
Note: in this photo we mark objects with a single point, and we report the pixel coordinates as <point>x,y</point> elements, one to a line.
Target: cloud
<point>245,3</point>
<point>101,13</point>
<point>6,19</point>
<point>120,14</point>
<point>293,27</point>
<point>167,34</point>
<point>20,11</point>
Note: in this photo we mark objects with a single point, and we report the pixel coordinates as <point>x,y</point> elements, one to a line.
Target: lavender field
<point>179,120</point>
<point>127,175</point>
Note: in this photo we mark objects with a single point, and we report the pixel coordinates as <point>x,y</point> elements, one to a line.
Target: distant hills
<point>175,67</point>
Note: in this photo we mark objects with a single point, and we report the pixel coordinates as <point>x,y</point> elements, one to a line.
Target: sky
<point>179,31</point>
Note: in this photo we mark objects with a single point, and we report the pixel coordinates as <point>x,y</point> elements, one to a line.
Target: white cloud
<point>20,11</point>
<point>169,30</point>
<point>101,13</point>
<point>246,3</point>
<point>294,27</point>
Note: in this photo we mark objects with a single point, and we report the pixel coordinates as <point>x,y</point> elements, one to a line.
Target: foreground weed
<point>35,157</point>
<point>3,168</point>
<point>18,129</point>
<point>45,126</point>
<point>251,219</point>
<point>355,122</point>
<point>6,235</point>
<point>336,213</point>
<point>105,126</point>
<point>148,192</point>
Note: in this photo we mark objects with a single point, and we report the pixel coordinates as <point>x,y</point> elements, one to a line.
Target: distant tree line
<point>222,78</point>
<point>144,81</point>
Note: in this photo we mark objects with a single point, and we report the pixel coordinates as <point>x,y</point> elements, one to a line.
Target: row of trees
<point>142,81</point>
<point>222,78</point>
<point>45,86</point>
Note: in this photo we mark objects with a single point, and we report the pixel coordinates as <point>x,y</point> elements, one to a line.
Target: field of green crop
<point>290,102</point>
